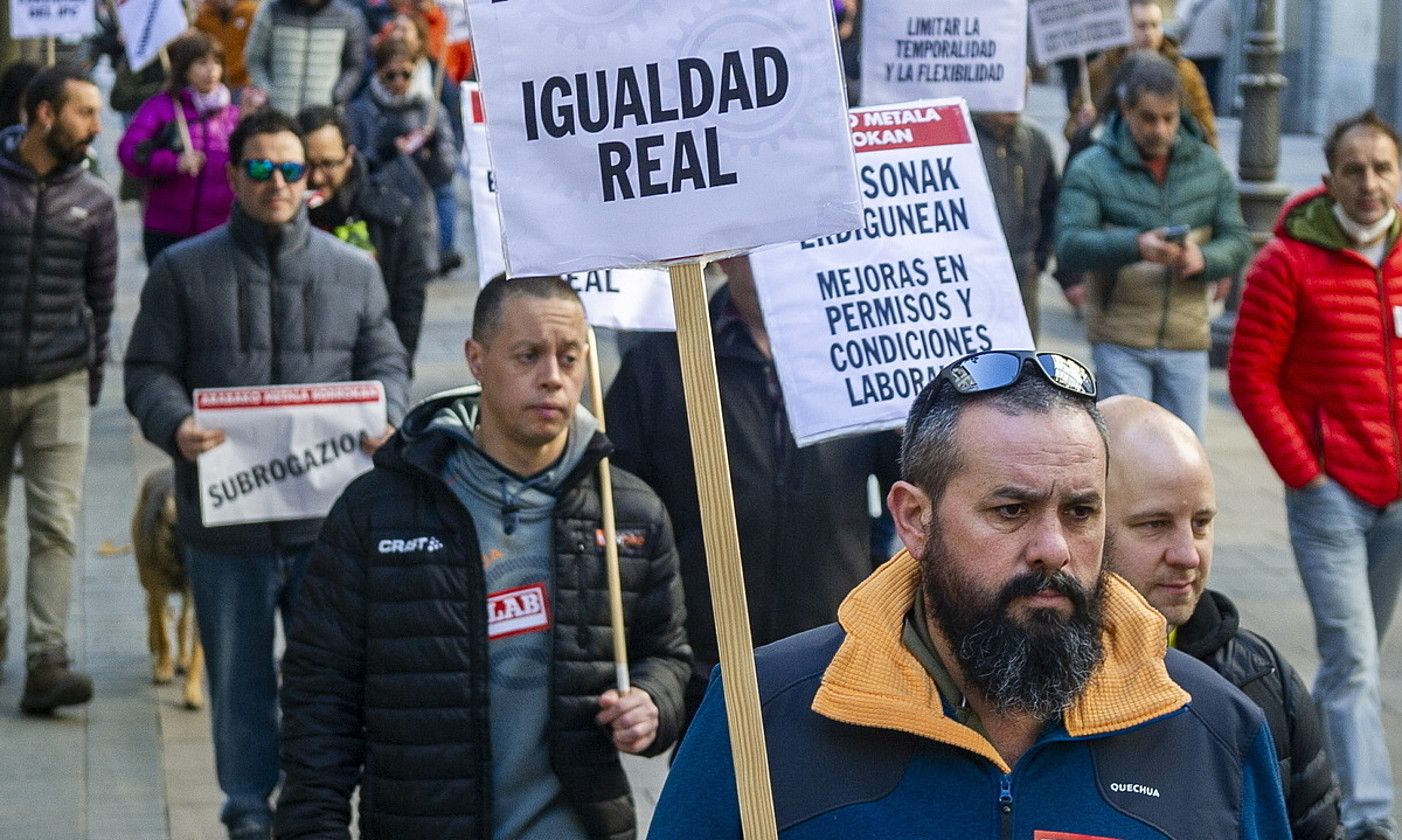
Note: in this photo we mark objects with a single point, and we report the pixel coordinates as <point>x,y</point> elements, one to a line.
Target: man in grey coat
<point>262,300</point>
<point>304,52</point>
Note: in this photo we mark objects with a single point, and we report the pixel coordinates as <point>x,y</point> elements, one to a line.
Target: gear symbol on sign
<point>754,129</point>
<point>596,22</point>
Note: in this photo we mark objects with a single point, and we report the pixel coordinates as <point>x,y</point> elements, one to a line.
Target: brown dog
<point>162,573</point>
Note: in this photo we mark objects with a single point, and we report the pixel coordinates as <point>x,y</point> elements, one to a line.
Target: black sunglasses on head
<point>262,169</point>
<point>991,370</point>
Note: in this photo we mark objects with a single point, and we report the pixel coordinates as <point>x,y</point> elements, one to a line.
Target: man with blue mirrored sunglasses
<point>262,300</point>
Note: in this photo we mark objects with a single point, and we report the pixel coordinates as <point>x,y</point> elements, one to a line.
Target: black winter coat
<point>58,271</point>
<point>385,676</point>
<point>805,532</point>
<point>1213,634</point>
<point>238,306</point>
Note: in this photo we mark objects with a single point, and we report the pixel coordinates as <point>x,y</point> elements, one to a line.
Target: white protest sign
<point>860,321</point>
<point>459,27</point>
<point>629,132</point>
<point>148,25</point>
<point>1066,28</point>
<point>289,449</point>
<point>922,49</point>
<point>620,299</point>
<point>52,18</point>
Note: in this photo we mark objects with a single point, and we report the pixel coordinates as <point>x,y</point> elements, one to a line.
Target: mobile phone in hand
<point>1175,233</point>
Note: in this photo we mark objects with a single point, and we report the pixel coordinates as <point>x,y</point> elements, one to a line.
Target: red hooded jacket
<point>1317,357</point>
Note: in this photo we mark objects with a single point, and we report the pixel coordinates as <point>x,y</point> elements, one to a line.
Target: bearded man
<point>992,680</point>
<point>58,274</point>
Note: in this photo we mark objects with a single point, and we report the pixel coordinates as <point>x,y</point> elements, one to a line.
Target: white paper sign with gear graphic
<point>616,298</point>
<point>923,49</point>
<point>289,449</point>
<point>860,321</point>
<point>630,132</point>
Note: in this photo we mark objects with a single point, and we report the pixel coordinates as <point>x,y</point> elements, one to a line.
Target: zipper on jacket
<point>36,240</point>
<point>1172,272</point>
<point>1005,806</point>
<point>1388,363</point>
<point>274,362</point>
<point>307,317</point>
<point>244,325</point>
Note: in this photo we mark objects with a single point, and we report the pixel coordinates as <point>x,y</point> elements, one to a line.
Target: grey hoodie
<point>513,518</point>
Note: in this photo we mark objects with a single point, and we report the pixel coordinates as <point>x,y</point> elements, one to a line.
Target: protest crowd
<point>976,574</point>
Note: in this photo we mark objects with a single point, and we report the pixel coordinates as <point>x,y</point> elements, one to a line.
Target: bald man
<point>1160,506</point>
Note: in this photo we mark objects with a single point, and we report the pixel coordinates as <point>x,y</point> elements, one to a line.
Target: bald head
<point>1160,503</point>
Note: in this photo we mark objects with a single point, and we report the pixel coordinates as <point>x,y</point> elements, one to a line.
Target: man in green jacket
<point>1152,212</point>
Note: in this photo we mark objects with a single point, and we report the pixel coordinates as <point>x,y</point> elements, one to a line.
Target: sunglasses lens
<point>258,169</point>
<point>293,172</point>
<point>985,372</point>
<point>1067,373</point>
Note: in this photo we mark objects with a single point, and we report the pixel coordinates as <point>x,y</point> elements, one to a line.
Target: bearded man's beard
<point>1036,665</point>
<point>66,149</point>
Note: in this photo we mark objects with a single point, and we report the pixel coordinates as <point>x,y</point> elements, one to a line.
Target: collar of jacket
<point>1213,623</point>
<point>13,165</point>
<point>874,680</point>
<point>1309,217</point>
<point>255,237</point>
<point>1187,143</point>
<point>412,449</point>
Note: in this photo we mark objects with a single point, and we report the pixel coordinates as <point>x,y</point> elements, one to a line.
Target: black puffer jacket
<point>58,270</point>
<point>248,305</point>
<point>1213,634</point>
<point>385,677</point>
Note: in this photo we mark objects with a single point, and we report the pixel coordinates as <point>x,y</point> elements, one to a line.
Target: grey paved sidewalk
<point>135,765</point>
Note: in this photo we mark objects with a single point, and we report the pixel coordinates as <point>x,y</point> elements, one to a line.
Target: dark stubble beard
<point>1034,666</point>
<point>66,149</point>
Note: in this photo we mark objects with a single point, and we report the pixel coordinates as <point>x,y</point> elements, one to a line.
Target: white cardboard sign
<point>632,132</point>
<point>861,321</point>
<point>459,27</point>
<point>289,450</point>
<point>1066,28</point>
<point>924,49</point>
<point>620,299</point>
<point>52,18</point>
<point>148,25</point>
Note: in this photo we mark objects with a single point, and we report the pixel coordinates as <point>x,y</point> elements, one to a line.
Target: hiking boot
<point>50,684</point>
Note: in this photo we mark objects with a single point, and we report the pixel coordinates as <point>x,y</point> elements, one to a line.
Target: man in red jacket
<point>1315,370</point>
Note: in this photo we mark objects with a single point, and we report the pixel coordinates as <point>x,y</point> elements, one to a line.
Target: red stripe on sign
<point>215,399</point>
<point>886,129</point>
<point>478,114</point>
<point>1066,835</point>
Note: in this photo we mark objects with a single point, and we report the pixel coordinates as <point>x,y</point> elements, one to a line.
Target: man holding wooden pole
<point>992,680</point>
<point>452,656</point>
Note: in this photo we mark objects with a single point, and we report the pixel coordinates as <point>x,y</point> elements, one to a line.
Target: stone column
<point>1258,153</point>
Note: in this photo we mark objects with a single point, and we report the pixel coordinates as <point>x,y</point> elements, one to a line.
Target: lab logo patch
<point>521,609</point>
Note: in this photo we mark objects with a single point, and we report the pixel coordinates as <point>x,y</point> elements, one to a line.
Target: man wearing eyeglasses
<point>1316,369</point>
<point>264,299</point>
<point>992,680</point>
<point>1152,213</point>
<point>388,214</point>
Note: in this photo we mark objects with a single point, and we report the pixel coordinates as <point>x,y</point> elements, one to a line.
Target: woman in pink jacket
<point>187,189</point>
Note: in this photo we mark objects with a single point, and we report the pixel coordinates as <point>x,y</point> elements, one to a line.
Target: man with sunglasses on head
<point>388,214</point>
<point>992,680</point>
<point>262,300</point>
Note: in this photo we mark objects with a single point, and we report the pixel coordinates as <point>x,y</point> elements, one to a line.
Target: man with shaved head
<point>1160,506</point>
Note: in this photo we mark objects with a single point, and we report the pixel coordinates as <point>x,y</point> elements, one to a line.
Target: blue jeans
<point>1350,559</point>
<point>1175,379</point>
<point>445,201</point>
<point>236,599</point>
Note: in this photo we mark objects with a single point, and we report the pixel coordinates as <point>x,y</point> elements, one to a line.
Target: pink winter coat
<point>175,202</point>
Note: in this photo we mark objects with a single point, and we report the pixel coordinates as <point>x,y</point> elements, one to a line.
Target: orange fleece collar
<point>874,680</point>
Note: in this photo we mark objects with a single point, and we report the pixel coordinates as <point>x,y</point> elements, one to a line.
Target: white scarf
<point>1363,235</point>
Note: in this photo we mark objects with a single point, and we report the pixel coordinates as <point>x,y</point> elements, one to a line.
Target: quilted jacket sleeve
<point>155,390</point>
<point>1265,329</point>
<point>1083,242</point>
<point>100,289</point>
<point>150,119</point>
<point>322,745</point>
<point>1313,795</point>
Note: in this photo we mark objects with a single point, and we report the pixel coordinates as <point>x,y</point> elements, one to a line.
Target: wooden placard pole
<point>722,540</point>
<point>620,639</point>
<point>1083,69</point>
<point>49,50</point>
<point>180,122</point>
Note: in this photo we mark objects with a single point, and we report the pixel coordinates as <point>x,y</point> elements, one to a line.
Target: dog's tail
<point>155,488</point>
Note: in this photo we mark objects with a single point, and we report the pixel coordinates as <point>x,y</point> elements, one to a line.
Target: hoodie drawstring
<point>510,510</point>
